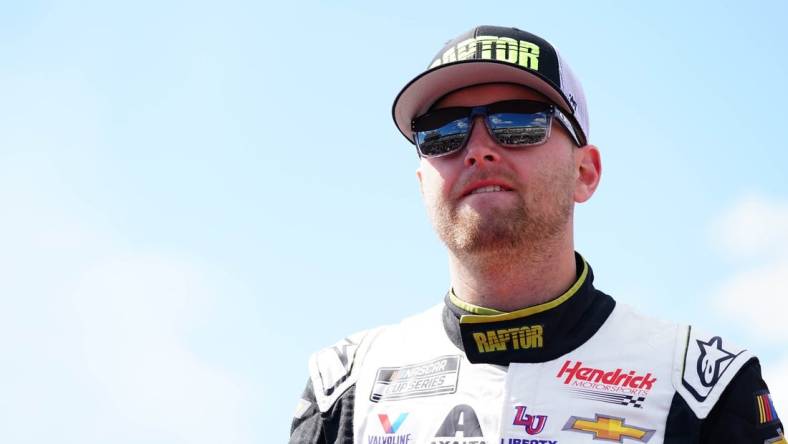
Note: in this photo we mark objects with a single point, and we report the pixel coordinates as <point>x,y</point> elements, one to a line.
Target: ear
<point>588,167</point>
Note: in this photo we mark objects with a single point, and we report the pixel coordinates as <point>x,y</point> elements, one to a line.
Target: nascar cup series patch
<point>434,377</point>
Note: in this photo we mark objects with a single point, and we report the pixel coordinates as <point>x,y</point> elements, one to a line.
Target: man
<point>524,349</point>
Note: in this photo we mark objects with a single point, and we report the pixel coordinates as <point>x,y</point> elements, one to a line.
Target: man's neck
<point>509,281</point>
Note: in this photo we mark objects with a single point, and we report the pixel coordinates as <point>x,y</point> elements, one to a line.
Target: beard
<point>540,214</point>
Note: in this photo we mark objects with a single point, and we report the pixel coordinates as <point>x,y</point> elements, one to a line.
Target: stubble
<point>535,220</point>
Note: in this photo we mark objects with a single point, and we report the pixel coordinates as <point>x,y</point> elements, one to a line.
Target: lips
<point>486,186</point>
<point>488,189</point>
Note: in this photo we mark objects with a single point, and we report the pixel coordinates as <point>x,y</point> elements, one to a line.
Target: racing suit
<point>575,369</point>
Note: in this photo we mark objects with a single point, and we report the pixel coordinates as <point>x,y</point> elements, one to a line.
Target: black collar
<point>533,334</point>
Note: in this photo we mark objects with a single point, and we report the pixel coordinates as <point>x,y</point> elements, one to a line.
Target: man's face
<point>488,198</point>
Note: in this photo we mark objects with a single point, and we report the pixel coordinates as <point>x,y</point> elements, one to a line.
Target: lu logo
<point>533,424</point>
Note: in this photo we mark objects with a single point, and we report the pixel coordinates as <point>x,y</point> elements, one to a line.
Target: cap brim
<point>423,91</point>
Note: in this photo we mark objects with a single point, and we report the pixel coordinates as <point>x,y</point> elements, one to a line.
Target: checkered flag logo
<point>611,398</point>
<point>634,401</point>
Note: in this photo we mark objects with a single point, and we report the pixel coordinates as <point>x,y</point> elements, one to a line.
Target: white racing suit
<point>577,369</point>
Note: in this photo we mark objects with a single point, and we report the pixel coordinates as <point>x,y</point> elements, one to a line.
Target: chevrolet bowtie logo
<point>608,428</point>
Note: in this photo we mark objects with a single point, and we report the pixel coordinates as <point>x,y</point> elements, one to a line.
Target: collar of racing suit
<point>533,334</point>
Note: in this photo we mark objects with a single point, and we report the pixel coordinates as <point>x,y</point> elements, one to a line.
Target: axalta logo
<point>617,377</point>
<point>461,426</point>
<point>517,338</point>
<point>490,47</point>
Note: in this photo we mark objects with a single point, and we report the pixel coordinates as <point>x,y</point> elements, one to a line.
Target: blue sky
<point>197,195</point>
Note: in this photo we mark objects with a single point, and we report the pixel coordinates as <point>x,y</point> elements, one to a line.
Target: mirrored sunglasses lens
<point>519,128</point>
<point>443,140</point>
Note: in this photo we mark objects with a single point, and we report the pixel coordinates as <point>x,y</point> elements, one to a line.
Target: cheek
<point>432,188</point>
<point>433,182</point>
<point>554,178</point>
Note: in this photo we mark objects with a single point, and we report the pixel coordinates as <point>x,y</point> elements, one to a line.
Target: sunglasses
<point>511,123</point>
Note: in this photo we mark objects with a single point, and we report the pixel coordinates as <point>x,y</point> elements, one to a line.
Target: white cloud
<point>759,296</point>
<point>776,376</point>
<point>753,233</point>
<point>753,226</point>
<point>134,312</point>
<point>95,333</point>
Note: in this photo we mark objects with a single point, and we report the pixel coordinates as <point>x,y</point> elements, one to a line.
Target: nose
<point>481,148</point>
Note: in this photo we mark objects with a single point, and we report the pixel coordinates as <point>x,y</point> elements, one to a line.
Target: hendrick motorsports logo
<point>617,377</point>
<point>430,378</point>
<point>619,386</point>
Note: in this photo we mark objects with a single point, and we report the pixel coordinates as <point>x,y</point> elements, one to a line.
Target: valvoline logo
<point>388,427</point>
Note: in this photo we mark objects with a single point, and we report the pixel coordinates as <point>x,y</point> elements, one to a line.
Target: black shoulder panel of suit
<point>744,414</point>
<point>338,422</point>
<point>335,426</point>
<point>307,425</point>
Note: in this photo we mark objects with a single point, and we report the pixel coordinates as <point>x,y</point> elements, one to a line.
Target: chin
<point>490,235</point>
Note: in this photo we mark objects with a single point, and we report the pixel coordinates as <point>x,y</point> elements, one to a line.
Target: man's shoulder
<point>332,369</point>
<point>704,364</point>
<point>335,368</point>
<point>642,323</point>
<point>709,364</point>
